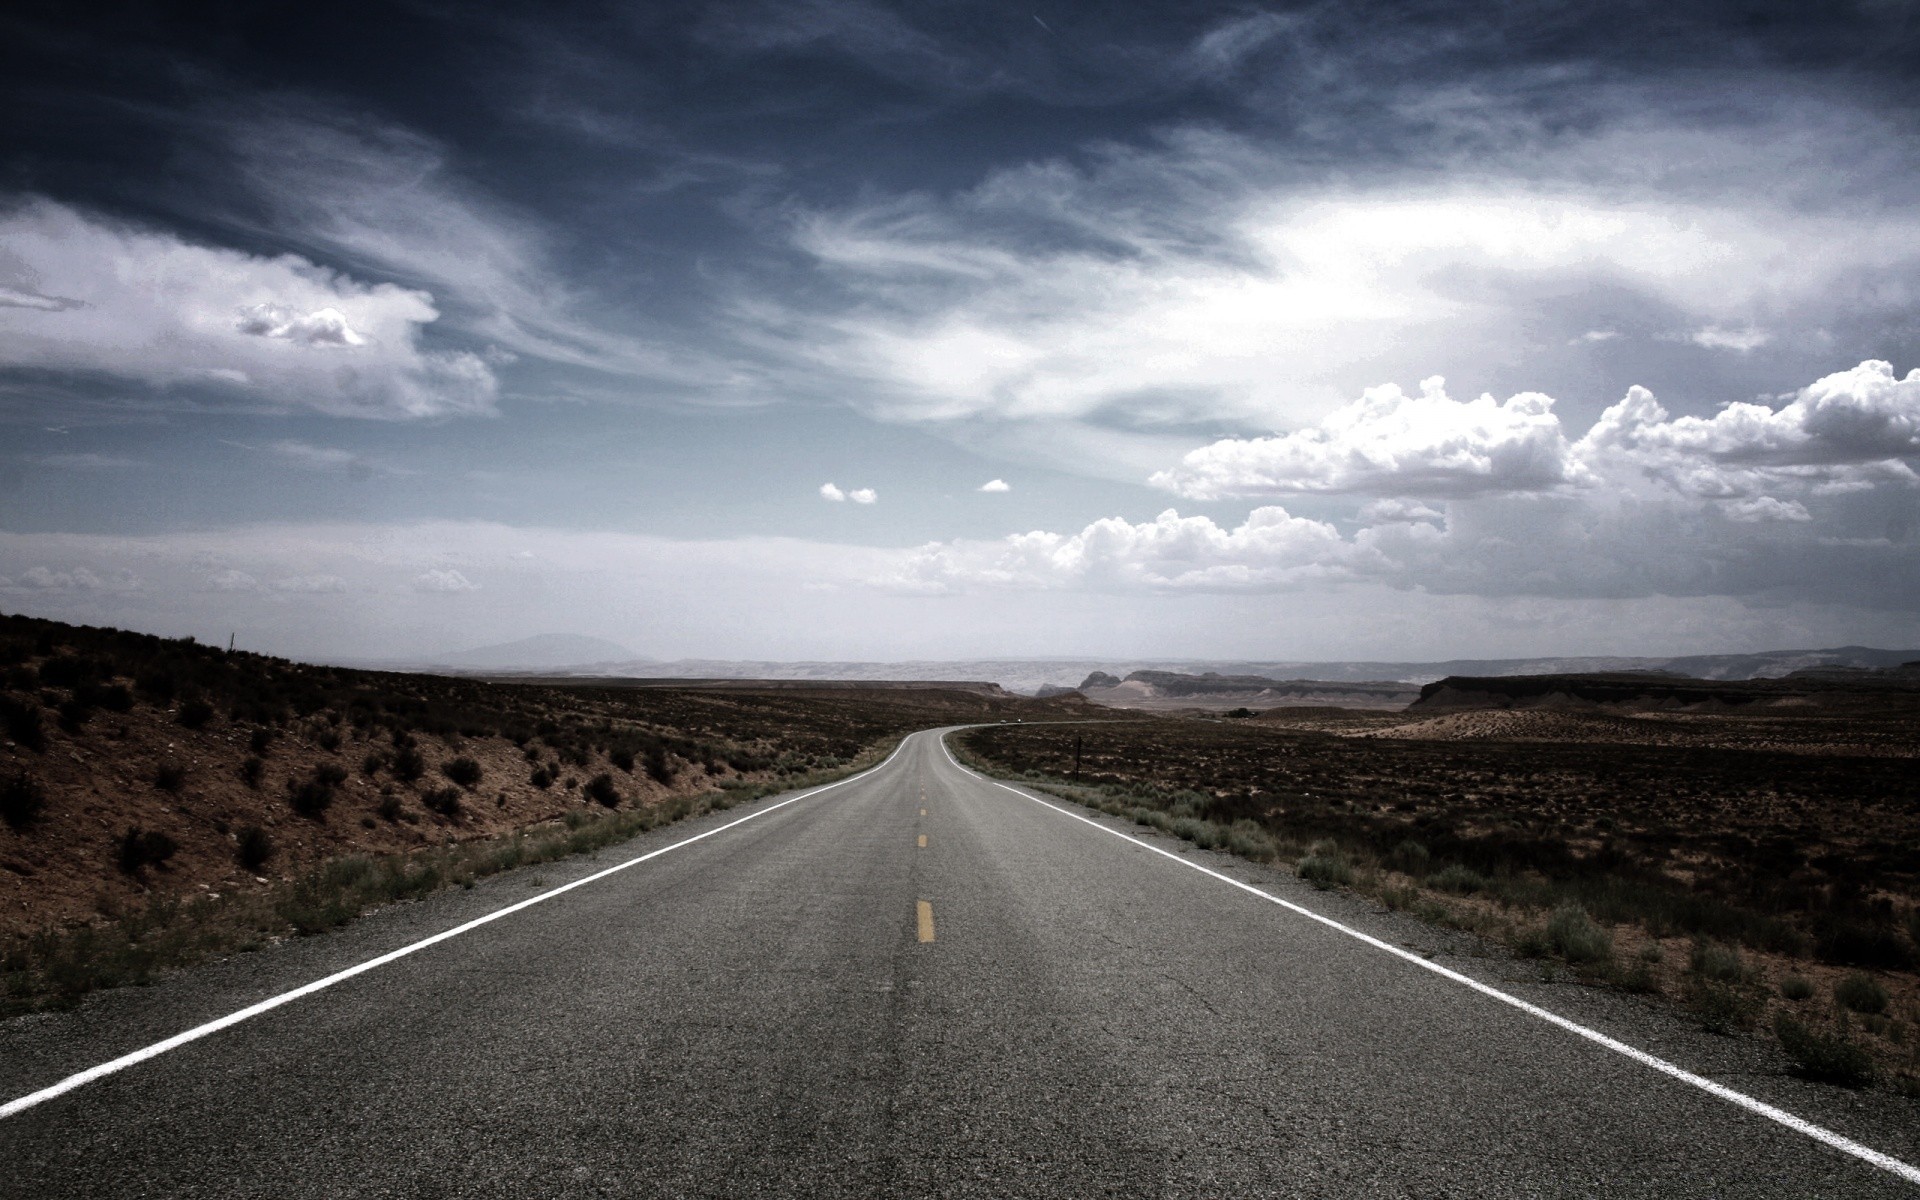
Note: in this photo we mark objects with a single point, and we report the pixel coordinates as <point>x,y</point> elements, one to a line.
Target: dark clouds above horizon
<point>376,329</point>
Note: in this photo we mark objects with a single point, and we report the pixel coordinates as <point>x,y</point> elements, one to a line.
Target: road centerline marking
<point>1758,1107</point>
<point>923,920</point>
<point>81,1078</point>
<point>923,841</point>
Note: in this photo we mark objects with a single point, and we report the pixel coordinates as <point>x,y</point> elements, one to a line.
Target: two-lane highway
<point>916,983</point>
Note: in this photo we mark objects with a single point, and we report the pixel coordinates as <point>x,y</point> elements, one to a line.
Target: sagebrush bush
<point>463,771</point>
<point>253,847</point>
<point>1411,857</point>
<point>1722,1007</point>
<point>22,800</point>
<point>1459,879</point>
<point>407,764</point>
<point>260,740</point>
<point>1795,987</point>
<point>445,801</point>
<point>170,776</point>
<point>21,716</point>
<point>328,740</point>
<point>1573,936</point>
<point>659,769</point>
<point>1827,1057</point>
<point>140,848</point>
<point>251,769</point>
<point>541,778</point>
<point>1861,993</point>
<point>310,797</point>
<point>600,790</point>
<point>1722,964</point>
<point>1325,867</point>
<point>194,713</point>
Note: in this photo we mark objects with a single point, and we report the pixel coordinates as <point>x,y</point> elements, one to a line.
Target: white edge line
<point>87,1076</point>
<point>1885,1162</point>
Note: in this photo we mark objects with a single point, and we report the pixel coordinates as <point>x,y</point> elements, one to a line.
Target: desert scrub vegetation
<point>56,968</point>
<point>463,771</point>
<point>1740,884</point>
<point>329,763</point>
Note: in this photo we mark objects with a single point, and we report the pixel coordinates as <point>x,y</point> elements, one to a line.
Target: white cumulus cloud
<point>1271,547</point>
<point>831,492</point>
<point>996,485</point>
<point>1845,432</point>
<point>1388,441</point>
<point>863,495</point>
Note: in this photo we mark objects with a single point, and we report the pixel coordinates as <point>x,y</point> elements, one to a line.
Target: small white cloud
<point>996,485</point>
<point>830,492</point>
<point>1713,337</point>
<point>443,581</point>
<point>310,584</point>
<point>1594,335</point>
<point>863,495</point>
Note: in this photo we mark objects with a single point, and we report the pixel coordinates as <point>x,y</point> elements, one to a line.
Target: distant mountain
<point>594,657</point>
<point>542,652</point>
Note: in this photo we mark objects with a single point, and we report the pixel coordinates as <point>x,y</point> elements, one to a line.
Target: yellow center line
<point>923,841</point>
<point>923,812</point>
<point>925,914</point>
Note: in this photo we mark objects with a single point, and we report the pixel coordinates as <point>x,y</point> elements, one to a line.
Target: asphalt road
<point>761,1013</point>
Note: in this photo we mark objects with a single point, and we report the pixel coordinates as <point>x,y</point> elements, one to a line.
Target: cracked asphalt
<point>761,1013</point>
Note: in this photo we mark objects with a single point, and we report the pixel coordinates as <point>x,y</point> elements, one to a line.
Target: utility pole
<point>230,643</point>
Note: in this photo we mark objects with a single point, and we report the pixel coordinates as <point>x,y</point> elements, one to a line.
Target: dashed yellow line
<point>923,812</point>
<point>923,841</point>
<point>925,914</point>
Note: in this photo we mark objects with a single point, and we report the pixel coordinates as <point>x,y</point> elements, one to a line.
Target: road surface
<point>918,983</point>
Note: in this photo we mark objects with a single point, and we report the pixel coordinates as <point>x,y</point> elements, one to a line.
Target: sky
<point>833,329</point>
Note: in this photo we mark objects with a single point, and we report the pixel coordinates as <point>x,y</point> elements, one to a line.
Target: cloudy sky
<point>838,329</point>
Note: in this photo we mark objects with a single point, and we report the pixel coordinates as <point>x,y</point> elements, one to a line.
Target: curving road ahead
<point>916,983</point>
